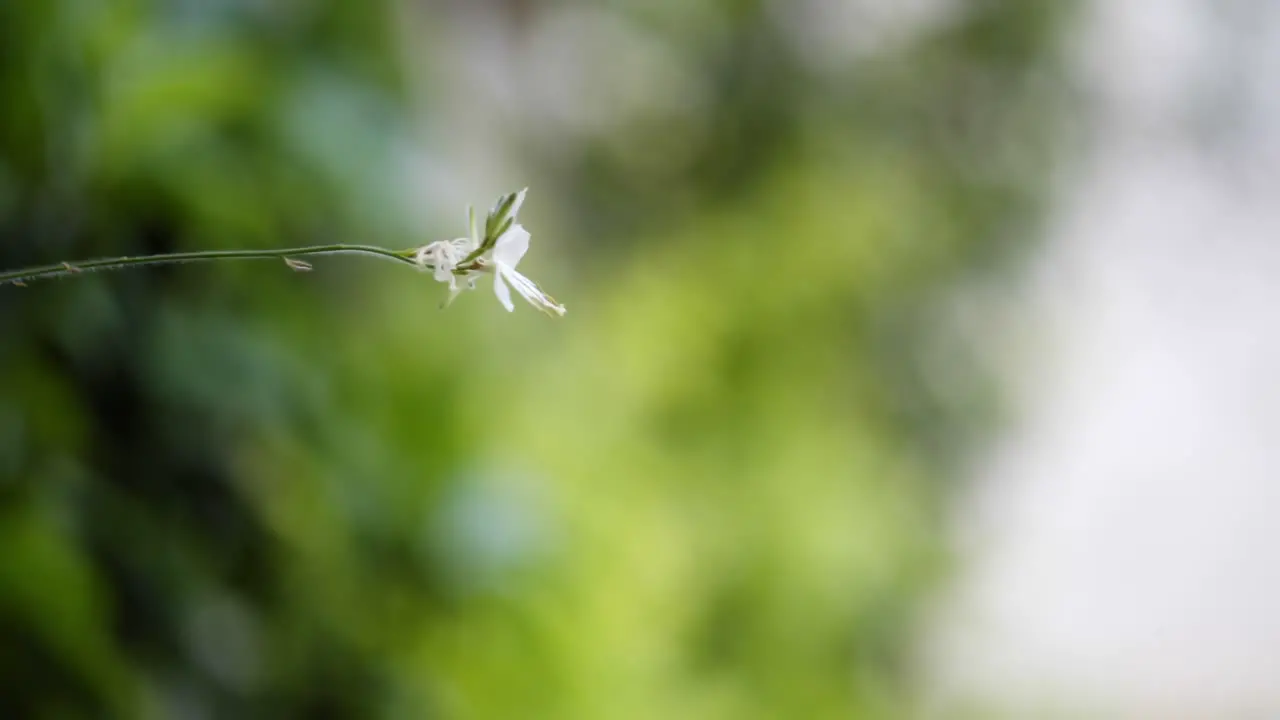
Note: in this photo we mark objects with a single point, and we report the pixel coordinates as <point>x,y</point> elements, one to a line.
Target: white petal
<point>532,293</point>
<point>511,247</point>
<point>457,286</point>
<point>461,247</point>
<point>426,255</point>
<point>500,289</point>
<point>454,292</point>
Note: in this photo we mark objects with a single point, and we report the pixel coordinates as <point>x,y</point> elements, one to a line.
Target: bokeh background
<point>852,415</point>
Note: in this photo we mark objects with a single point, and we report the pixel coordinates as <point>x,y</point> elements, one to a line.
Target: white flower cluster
<point>459,261</point>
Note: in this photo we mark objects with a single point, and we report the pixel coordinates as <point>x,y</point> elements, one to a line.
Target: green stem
<point>120,263</point>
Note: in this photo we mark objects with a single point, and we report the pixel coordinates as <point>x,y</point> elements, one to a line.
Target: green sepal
<point>497,216</point>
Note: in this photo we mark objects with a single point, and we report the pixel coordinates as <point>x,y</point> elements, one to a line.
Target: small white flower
<point>442,257</point>
<point>500,256</point>
<point>507,252</point>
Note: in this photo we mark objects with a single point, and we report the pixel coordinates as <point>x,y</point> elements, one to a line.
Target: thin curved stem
<point>19,277</point>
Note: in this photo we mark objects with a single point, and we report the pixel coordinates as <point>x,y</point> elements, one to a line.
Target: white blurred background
<point>1120,550</point>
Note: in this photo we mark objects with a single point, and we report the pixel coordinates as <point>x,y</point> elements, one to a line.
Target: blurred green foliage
<point>712,491</point>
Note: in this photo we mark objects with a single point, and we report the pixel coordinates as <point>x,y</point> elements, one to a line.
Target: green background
<point>714,489</point>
